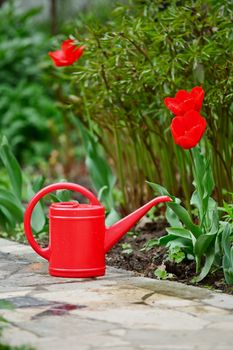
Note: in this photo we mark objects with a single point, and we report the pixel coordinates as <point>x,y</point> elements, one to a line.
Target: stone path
<point>118,312</point>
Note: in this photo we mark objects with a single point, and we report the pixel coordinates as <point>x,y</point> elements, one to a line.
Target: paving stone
<point>160,300</point>
<point>220,300</point>
<point>118,311</point>
<point>184,339</point>
<point>144,317</point>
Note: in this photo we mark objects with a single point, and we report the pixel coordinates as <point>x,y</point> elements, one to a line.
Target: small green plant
<point>162,274</point>
<point>126,248</point>
<point>195,240</point>
<point>150,244</point>
<point>175,254</point>
<point>227,210</point>
<point>195,237</point>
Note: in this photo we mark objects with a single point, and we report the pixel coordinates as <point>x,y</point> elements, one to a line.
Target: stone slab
<point>119,311</point>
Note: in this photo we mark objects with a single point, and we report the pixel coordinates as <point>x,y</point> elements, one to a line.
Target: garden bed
<point>130,254</point>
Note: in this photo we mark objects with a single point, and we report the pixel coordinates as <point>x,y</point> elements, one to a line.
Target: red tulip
<point>187,130</point>
<point>68,54</point>
<point>185,101</point>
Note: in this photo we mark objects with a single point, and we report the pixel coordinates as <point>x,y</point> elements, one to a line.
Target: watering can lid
<point>75,209</point>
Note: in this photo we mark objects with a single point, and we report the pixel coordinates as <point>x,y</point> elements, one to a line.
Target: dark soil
<point>129,254</point>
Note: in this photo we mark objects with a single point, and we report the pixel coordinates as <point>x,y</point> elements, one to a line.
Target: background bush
<point>29,116</point>
<point>147,51</point>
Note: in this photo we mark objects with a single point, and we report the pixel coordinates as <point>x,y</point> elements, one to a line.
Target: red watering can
<point>78,236</point>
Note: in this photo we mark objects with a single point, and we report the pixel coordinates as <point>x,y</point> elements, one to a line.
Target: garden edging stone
<point>118,311</point>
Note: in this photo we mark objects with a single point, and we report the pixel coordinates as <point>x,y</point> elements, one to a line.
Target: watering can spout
<point>117,230</point>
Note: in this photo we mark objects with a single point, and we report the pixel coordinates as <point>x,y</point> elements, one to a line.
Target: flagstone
<point>119,311</point>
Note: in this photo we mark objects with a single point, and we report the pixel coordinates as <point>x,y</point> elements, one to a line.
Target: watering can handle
<point>45,252</point>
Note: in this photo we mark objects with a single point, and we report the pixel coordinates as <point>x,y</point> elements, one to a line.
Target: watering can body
<point>78,238</point>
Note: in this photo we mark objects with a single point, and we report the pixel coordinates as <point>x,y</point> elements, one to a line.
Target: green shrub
<point>28,113</point>
<point>146,52</point>
<point>16,189</point>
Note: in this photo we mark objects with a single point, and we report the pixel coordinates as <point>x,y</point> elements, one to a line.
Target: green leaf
<point>112,217</point>
<point>226,240</point>
<point>171,239</point>
<point>207,266</point>
<point>195,200</point>
<point>183,215</point>
<point>208,180</point>
<point>183,243</point>
<point>176,254</point>
<point>38,183</point>
<point>38,217</point>
<point>12,168</point>
<point>212,214</point>
<point>165,239</point>
<point>172,218</point>
<point>159,189</point>
<point>63,195</point>
<point>10,203</point>
<point>228,275</point>
<point>162,274</point>
<point>179,232</point>
<point>101,191</point>
<point>203,243</point>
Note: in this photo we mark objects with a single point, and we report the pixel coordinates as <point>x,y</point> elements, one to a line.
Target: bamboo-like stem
<point>120,163</point>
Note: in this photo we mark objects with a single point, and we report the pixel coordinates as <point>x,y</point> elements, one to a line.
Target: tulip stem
<point>195,155</point>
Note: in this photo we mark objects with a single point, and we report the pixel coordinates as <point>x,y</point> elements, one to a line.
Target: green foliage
<point>162,274</point>
<point>150,244</point>
<point>148,51</point>
<point>17,189</point>
<point>175,254</point>
<point>100,174</point>
<point>195,240</point>
<point>227,209</point>
<point>227,246</point>
<point>126,248</point>
<point>201,241</point>
<point>11,207</point>
<point>29,116</point>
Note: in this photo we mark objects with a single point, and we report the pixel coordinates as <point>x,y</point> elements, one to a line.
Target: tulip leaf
<point>38,217</point>
<point>166,240</point>
<point>207,265</point>
<point>112,217</point>
<point>12,168</point>
<point>202,244</point>
<point>179,232</point>
<point>160,189</point>
<point>10,203</point>
<point>172,218</point>
<point>64,195</point>
<point>183,215</point>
